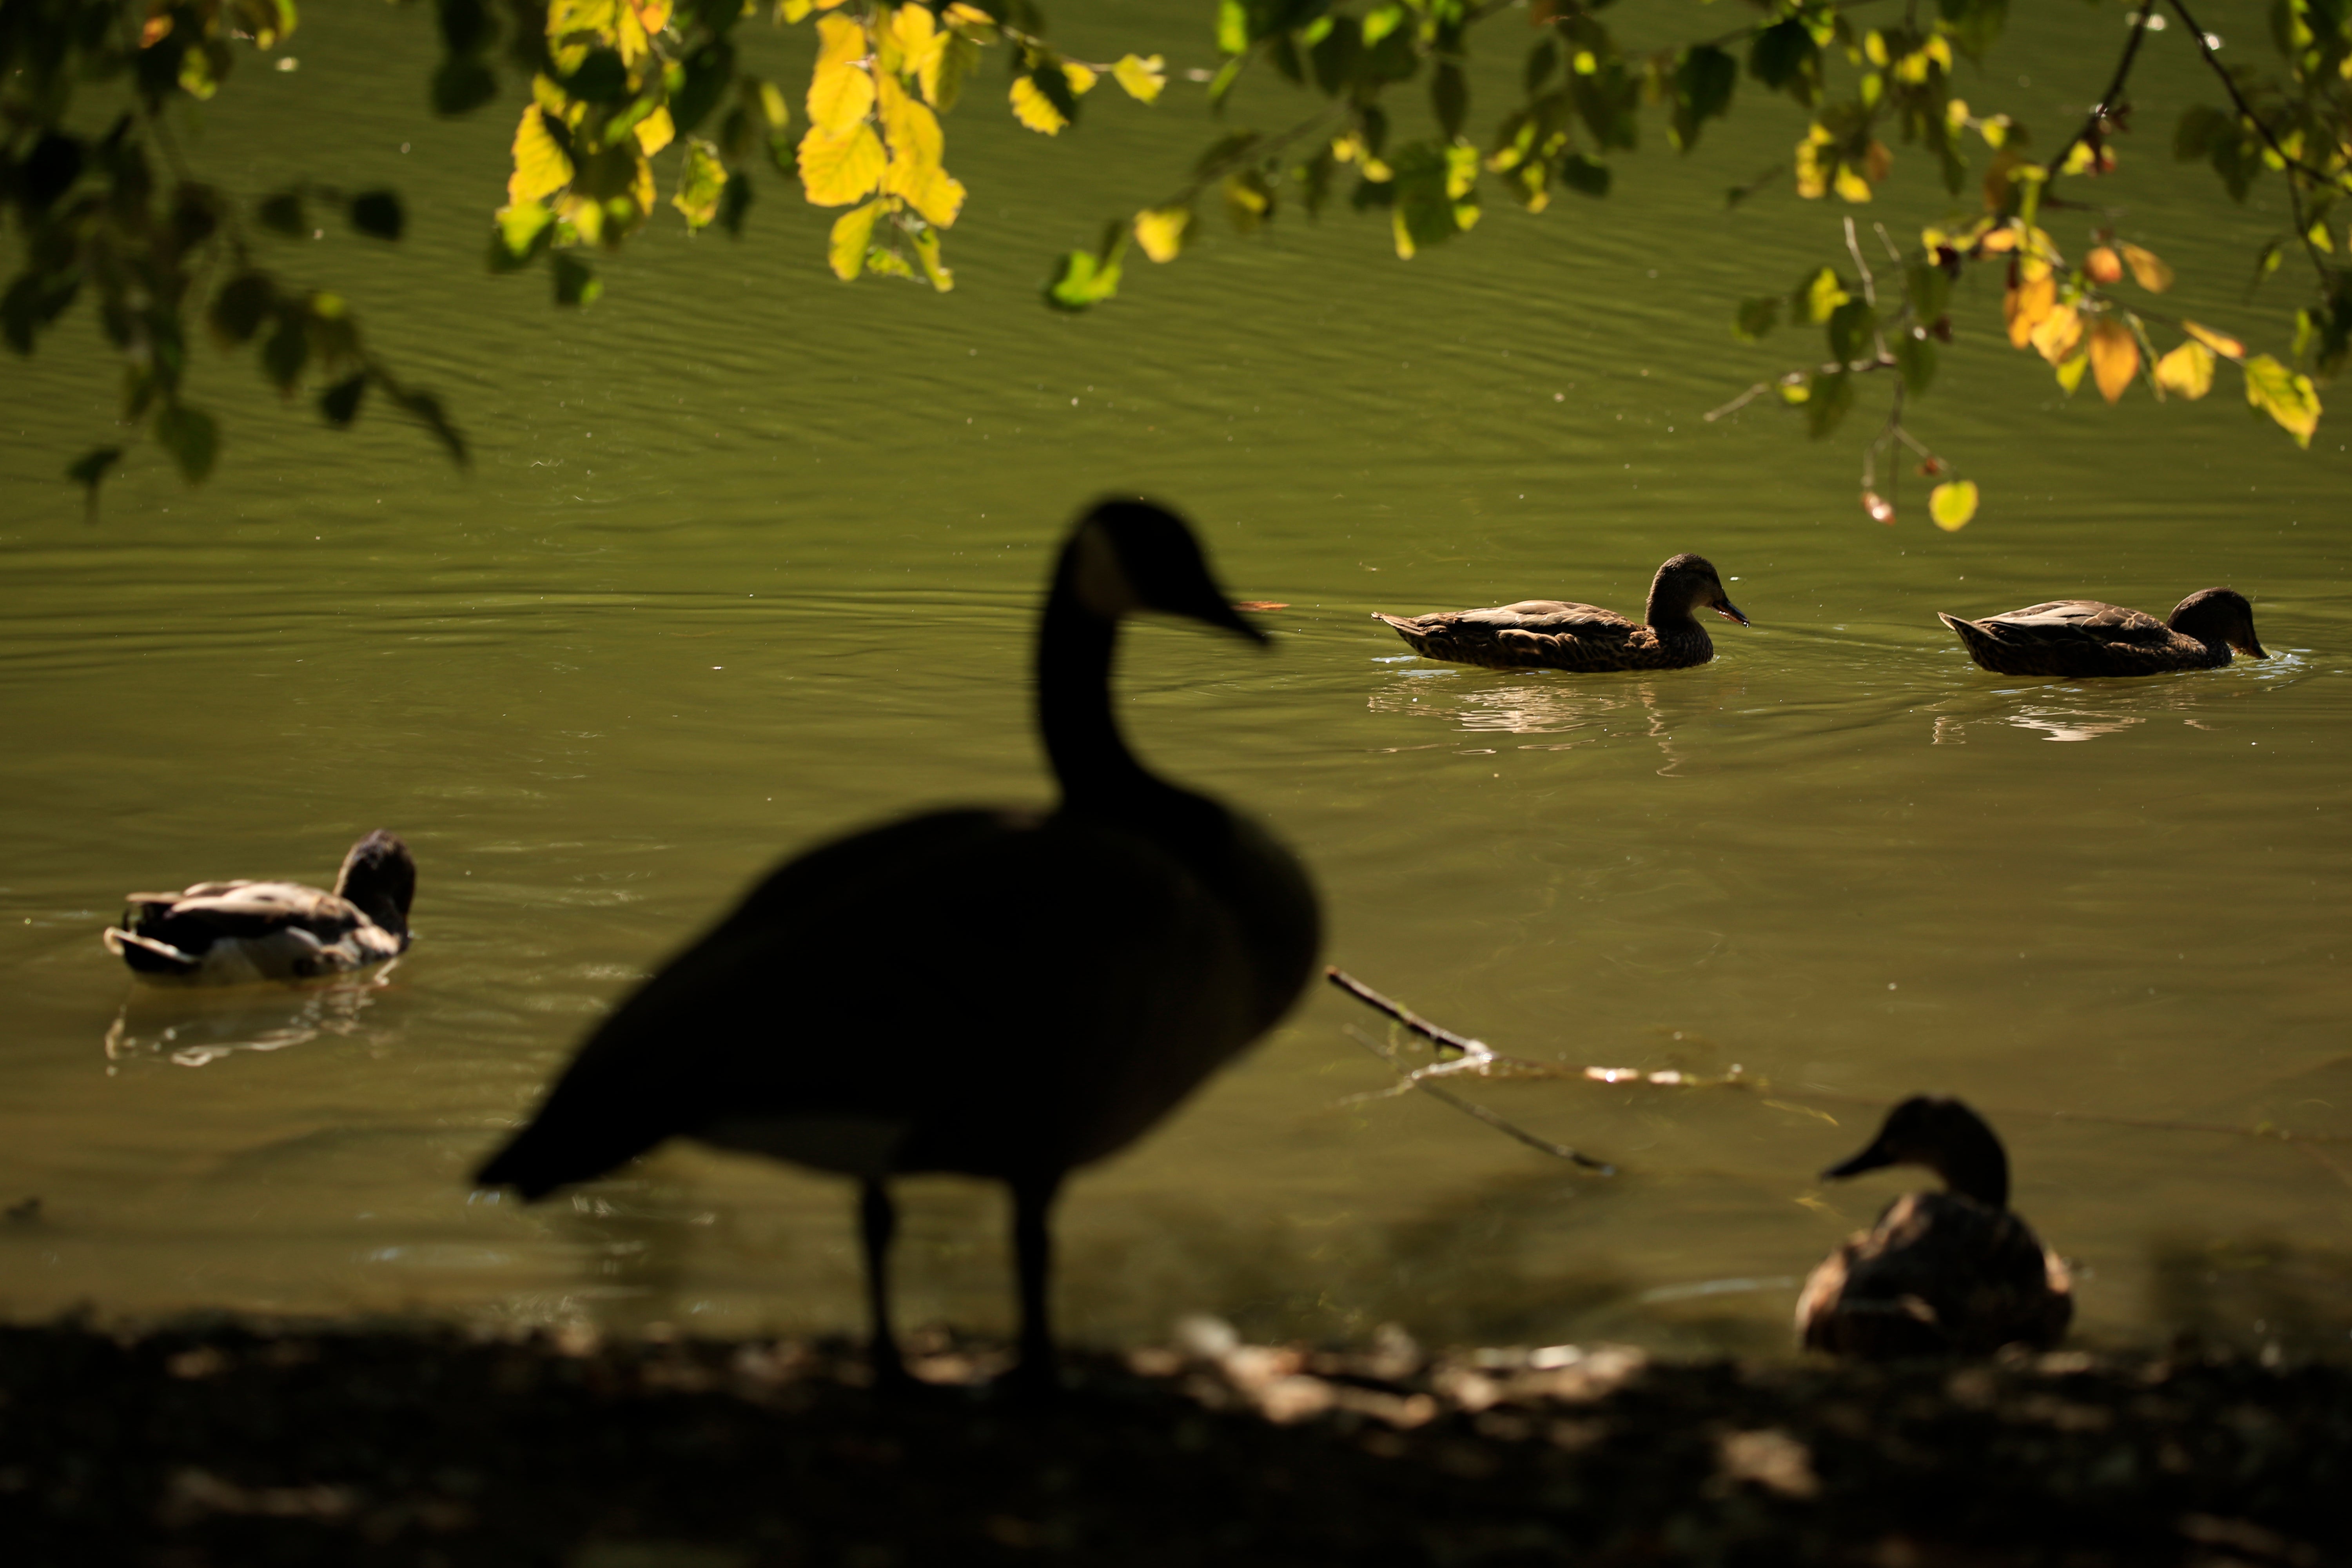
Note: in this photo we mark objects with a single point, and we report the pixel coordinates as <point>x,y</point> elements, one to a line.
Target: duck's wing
<point>2077,620</point>
<point>1942,1268</point>
<point>914,996</point>
<point>1553,616</point>
<point>232,931</point>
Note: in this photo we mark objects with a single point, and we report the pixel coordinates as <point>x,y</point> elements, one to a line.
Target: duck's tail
<point>1977,639</point>
<point>146,955</point>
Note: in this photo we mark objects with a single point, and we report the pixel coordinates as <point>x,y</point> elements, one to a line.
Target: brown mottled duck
<point>1550,633</point>
<point>1943,1273</point>
<point>1001,992</point>
<point>226,933</point>
<point>2083,636</point>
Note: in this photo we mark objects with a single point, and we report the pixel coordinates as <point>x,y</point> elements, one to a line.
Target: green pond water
<point>750,556</point>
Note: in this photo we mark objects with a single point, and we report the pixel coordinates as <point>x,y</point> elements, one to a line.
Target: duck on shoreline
<point>1943,1273</point>
<point>996,993</point>
<point>1551,633</point>
<point>2084,636</point>
<point>227,933</point>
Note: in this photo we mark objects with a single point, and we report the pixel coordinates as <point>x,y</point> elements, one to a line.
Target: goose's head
<point>380,876</point>
<point>1687,585</point>
<point>1130,555</point>
<point>2217,615</point>
<point>1945,1136</point>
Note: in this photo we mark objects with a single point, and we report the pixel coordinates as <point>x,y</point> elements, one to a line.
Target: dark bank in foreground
<point>261,1443</point>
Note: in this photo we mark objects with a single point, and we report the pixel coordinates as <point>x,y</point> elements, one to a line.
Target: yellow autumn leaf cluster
<point>873,142</point>
<point>1823,166</point>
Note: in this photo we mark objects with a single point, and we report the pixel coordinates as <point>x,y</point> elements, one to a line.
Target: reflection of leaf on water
<point>191,1028</point>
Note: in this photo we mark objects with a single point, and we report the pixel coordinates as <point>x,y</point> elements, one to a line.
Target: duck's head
<point>1687,585</point>
<point>2217,615</point>
<point>1948,1138</point>
<point>380,876</point>
<point>1129,555</point>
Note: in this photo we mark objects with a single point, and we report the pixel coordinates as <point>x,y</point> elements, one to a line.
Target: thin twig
<point>1470,1108</point>
<point>1411,1020</point>
<point>1739,403</point>
<point>1853,248</point>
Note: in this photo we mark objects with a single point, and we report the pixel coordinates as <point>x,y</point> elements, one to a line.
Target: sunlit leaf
<point>2186,369</point>
<point>838,170</point>
<point>1952,503</point>
<point>1160,231</point>
<point>943,75</point>
<point>927,253</point>
<point>840,91</point>
<point>1817,297</point>
<point>522,228</point>
<point>190,436</point>
<point>701,183</point>
<point>1083,279</point>
<point>2285,396</point>
<point>853,231</point>
<point>654,131</point>
<point>1033,108</point>
<point>2025,307</point>
<point>2070,373</point>
<point>540,167</point>
<point>2115,356</point>
<point>2147,269</point>
<point>576,282</point>
<point>1248,199</point>
<point>2221,343</point>
<point>1142,77</point>
<point>2102,265</point>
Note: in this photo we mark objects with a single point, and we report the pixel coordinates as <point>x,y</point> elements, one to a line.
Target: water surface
<point>750,556</point>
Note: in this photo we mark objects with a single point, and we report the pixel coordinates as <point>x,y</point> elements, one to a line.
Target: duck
<point>1003,992</point>
<point>1941,1273</point>
<point>227,933</point>
<point>2084,636</point>
<point>1553,634</point>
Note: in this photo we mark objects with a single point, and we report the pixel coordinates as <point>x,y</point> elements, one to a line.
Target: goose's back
<point>977,991</point>
<point>1938,1274</point>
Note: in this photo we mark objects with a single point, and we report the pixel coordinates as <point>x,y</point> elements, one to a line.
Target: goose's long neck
<point>1073,657</point>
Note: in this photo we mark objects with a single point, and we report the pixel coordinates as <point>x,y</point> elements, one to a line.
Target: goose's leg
<point>877,1220</point>
<point>1033,1248</point>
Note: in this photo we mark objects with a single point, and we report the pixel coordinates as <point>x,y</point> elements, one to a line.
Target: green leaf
<point>239,308</point>
<point>460,85</point>
<point>1930,287</point>
<point>1449,96</point>
<point>378,214</point>
<point>1703,83</point>
<point>286,352</point>
<point>1817,296</point>
<point>734,204</point>
<point>2200,126</point>
<point>282,214</point>
<point>1233,29</point>
<point>2287,397</point>
<point>1082,281</point>
<point>1833,396</point>
<point>702,85</point>
<point>601,78</point>
<point>1952,503</point>
<point>576,282</point>
<point>1756,317</point>
<point>89,470</point>
<point>1914,357</point>
<point>1785,56</point>
<point>524,229</point>
<point>1851,329</point>
<point>190,436</point>
<point>341,402</point>
<point>1582,175</point>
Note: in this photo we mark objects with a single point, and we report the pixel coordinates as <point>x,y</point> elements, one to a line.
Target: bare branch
<point>1470,1108</point>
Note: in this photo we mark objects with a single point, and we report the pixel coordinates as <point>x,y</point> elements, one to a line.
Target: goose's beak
<point>1223,617</point>
<point>1730,612</point>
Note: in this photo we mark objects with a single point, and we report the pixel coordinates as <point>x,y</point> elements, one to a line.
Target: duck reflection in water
<point>193,1028</point>
<point>1594,714</point>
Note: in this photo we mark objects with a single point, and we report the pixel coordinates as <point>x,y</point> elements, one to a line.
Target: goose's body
<point>1947,1273</point>
<point>1004,994</point>
<point>1553,634</point>
<point>223,933</point>
<point>2086,637</point>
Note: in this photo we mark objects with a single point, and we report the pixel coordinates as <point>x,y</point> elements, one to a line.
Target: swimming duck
<point>1940,1273</point>
<point>1001,992</point>
<point>2083,636</point>
<point>225,933</point>
<point>1548,634</point>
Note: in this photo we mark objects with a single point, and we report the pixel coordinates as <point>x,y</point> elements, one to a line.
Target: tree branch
<point>2106,105</point>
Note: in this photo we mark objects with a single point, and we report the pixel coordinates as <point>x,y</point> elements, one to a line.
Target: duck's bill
<point>1730,612</point>
<point>2254,650</point>
<point>1874,1158</point>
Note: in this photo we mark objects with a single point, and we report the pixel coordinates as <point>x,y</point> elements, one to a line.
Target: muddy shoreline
<point>242,1443</point>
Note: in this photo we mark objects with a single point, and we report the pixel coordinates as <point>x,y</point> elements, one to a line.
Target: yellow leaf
<point>2025,306</point>
<point>773,107</point>
<point>1081,79</point>
<point>1142,77</point>
<point>2149,272</point>
<point>1813,172</point>
<point>1404,246</point>
<point>794,10</point>
<point>932,192</point>
<point>840,91</point>
<point>2319,236</point>
<point>836,170</point>
<point>1952,504</point>
<point>2057,334</point>
<point>927,252</point>
<point>912,130</point>
<point>971,15</point>
<point>2186,369</point>
<point>540,168</point>
<point>1998,240</point>
<point>1160,231</point>
<point>701,181</point>
<point>2070,374</point>
<point>2115,357</point>
<point>853,231</point>
<point>1034,109</point>
<point>2287,396</point>
<point>2221,343</point>
<point>655,131</point>
<point>1849,185</point>
<point>914,28</point>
